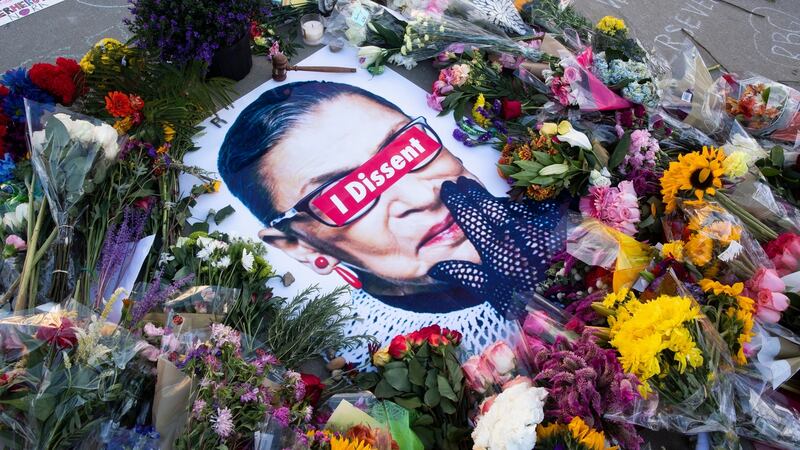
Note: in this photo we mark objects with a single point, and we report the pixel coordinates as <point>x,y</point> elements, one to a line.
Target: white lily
<point>554,169</point>
<point>368,55</point>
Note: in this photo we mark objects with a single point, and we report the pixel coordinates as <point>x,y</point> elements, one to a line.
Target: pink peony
<point>17,242</point>
<point>785,253</point>
<point>617,207</point>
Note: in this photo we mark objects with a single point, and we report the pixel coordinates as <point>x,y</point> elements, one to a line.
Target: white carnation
<point>510,423</point>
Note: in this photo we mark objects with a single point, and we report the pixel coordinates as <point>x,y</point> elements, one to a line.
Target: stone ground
<point>742,36</point>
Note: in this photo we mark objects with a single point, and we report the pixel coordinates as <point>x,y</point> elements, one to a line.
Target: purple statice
<point>282,415</point>
<point>584,380</point>
<point>156,294</point>
<point>117,246</point>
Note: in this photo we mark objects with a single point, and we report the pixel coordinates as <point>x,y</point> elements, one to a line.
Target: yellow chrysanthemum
<point>86,63</point>
<point>723,231</point>
<point>673,249</point>
<point>719,288</point>
<point>589,437</point>
<point>696,174</point>
<point>610,25</point>
<point>614,298</point>
<point>641,332</point>
<point>735,164</point>
<point>699,249</point>
<point>476,115</point>
<point>123,125</point>
<point>340,443</point>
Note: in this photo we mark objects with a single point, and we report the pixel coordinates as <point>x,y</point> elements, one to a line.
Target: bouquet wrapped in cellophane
<point>62,376</point>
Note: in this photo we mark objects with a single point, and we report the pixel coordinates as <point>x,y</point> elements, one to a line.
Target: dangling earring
<point>351,278</point>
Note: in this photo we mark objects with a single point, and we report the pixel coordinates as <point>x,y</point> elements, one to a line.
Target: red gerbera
<point>118,104</point>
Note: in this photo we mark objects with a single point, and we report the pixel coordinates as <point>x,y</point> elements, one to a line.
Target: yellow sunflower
<point>696,174</point>
<point>673,249</point>
<point>589,437</point>
<point>340,443</point>
<point>719,288</point>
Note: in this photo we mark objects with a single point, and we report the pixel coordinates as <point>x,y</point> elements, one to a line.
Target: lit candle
<point>312,32</point>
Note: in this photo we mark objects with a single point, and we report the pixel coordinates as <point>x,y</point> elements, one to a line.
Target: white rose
<point>106,136</point>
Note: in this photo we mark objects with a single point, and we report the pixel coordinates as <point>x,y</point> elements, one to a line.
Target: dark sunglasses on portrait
<point>408,155</point>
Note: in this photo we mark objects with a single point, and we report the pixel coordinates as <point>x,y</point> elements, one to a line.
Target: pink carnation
<point>617,207</point>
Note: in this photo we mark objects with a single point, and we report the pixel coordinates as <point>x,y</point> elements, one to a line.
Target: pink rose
<point>501,358</point>
<point>476,374</point>
<point>572,74</point>
<point>17,242</point>
<point>617,207</point>
<point>766,279</point>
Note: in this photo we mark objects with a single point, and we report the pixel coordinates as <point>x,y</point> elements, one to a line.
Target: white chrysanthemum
<point>247,260</point>
<point>510,423</point>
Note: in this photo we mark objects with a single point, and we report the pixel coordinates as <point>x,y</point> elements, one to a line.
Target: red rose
<point>415,339</point>
<point>62,336</point>
<point>177,320</point>
<point>314,388</point>
<point>452,335</point>
<point>118,104</point>
<point>399,347</point>
<point>437,340</point>
<point>511,109</point>
<point>136,102</point>
<point>426,332</point>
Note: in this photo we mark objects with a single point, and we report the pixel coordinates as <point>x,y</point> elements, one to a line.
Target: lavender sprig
<point>157,293</point>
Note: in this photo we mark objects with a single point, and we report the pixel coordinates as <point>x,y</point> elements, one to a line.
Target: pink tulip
<point>767,279</point>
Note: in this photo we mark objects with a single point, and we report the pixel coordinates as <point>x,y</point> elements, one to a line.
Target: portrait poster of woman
<point>353,179</point>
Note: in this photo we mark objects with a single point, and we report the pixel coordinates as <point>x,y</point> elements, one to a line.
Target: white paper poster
<point>11,10</point>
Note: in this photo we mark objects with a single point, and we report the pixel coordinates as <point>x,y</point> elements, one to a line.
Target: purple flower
<point>156,294</point>
<point>250,395</point>
<point>282,416</point>
<point>198,407</point>
<point>223,422</point>
<point>116,247</point>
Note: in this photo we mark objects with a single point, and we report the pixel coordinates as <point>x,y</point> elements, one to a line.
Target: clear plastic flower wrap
<point>62,376</point>
<point>766,108</point>
<point>689,93</point>
<point>766,415</point>
<point>64,149</point>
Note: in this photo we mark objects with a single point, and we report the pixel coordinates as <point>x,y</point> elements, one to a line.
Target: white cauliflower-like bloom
<point>510,423</point>
<point>247,260</point>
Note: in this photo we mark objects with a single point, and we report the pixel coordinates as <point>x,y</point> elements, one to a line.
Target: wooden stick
<point>326,69</point>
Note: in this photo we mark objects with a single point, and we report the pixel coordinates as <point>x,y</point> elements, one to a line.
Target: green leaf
<point>448,406</point>
<point>776,156</point>
<point>394,365</point>
<point>416,373</point>
<point>223,214</point>
<point>432,397</point>
<point>199,226</point>
<point>385,390</point>
<point>423,420</point>
<point>770,171</point>
<point>622,148</point>
<point>445,389</point>
<point>410,403</point>
<point>398,378</point>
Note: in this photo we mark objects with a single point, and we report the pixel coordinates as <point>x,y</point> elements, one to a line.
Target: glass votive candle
<point>312,29</point>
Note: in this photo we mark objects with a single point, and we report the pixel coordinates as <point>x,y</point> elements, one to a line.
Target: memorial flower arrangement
<point>675,284</point>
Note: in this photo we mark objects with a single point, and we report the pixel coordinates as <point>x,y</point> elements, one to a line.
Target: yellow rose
<point>381,357</point>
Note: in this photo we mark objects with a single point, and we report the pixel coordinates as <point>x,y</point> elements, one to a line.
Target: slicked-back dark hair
<point>261,126</point>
